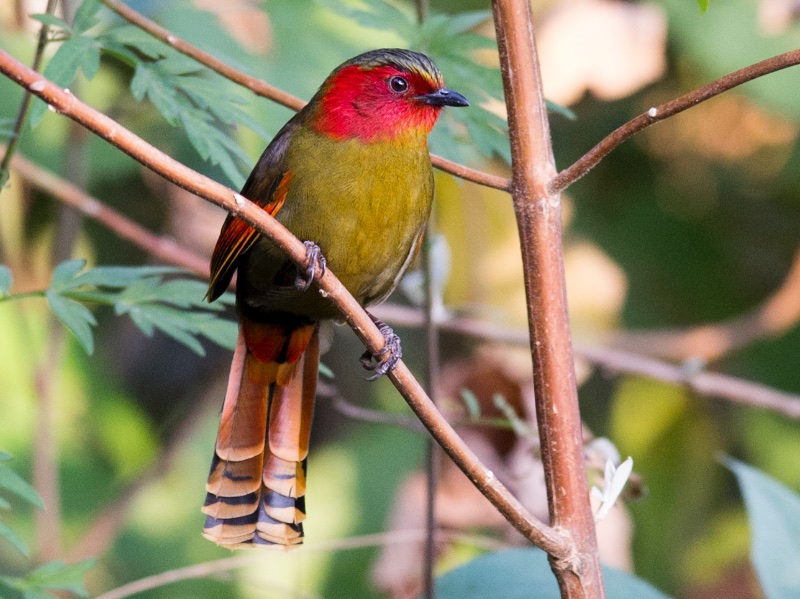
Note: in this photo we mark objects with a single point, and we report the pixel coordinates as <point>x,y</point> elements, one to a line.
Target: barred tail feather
<point>256,486</point>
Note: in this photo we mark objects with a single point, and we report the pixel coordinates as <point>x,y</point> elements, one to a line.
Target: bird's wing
<point>267,186</point>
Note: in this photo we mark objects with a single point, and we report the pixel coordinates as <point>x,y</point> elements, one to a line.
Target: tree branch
<point>538,215</point>
<point>589,160</point>
<point>164,248</point>
<point>776,315</point>
<point>265,90</point>
<point>704,383</point>
<point>208,569</point>
<point>22,115</point>
<point>65,103</point>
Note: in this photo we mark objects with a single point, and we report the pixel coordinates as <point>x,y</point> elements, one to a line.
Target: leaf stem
<point>24,107</point>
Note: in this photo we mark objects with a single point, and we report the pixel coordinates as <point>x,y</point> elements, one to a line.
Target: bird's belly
<point>366,212</point>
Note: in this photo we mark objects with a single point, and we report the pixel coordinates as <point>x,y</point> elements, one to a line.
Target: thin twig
<point>22,115</point>
<point>538,215</point>
<point>376,416</point>
<point>709,384</point>
<point>536,531</point>
<point>164,248</point>
<point>704,383</point>
<point>208,569</point>
<point>45,450</point>
<point>265,90</point>
<point>658,113</point>
<point>774,316</point>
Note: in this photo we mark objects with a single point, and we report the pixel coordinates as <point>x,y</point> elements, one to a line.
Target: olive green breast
<point>365,205</point>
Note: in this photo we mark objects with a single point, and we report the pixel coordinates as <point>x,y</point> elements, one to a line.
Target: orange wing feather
<point>236,237</point>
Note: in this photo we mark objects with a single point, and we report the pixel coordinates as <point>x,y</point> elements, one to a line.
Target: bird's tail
<point>256,487</point>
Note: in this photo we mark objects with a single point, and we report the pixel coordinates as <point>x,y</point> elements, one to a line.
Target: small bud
<point>652,112</point>
<point>37,86</point>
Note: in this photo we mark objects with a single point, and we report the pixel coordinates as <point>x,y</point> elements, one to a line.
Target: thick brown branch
<point>65,103</point>
<point>273,93</point>
<point>163,248</point>
<point>538,215</point>
<point>658,113</point>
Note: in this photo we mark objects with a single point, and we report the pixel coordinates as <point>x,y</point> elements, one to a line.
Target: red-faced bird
<point>351,173</point>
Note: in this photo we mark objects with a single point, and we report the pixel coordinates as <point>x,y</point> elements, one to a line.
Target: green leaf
<point>86,16</point>
<point>117,277</point>
<point>561,110</point>
<point>5,280</point>
<point>64,274</point>
<point>463,22</point>
<point>13,483</point>
<point>326,371</point>
<point>517,573</point>
<point>221,331</point>
<point>6,128</point>
<point>774,514</point>
<point>471,402</point>
<point>76,317</point>
<point>58,576</point>
<point>5,457</point>
<point>9,535</point>
<point>79,51</point>
<point>703,4</point>
<point>52,21</point>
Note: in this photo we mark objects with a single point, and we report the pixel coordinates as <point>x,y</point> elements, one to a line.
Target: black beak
<point>444,97</point>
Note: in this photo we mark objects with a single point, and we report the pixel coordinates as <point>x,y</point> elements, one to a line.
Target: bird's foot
<point>315,266</point>
<point>387,357</point>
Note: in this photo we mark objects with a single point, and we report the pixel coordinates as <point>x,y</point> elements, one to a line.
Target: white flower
<point>614,481</point>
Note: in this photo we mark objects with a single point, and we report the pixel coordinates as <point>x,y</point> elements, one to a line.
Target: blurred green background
<point>694,221</point>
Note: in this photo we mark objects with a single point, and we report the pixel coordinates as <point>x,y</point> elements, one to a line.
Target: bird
<point>351,174</point>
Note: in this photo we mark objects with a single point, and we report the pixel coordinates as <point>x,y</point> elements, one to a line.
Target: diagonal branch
<point>708,384</point>
<point>589,160</point>
<point>549,539</point>
<point>775,316</point>
<point>265,90</point>
<point>164,248</point>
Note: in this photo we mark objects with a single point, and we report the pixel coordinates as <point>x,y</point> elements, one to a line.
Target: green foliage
<point>774,514</point>
<point>186,94</point>
<point>449,42</point>
<point>50,579</point>
<point>513,574</point>
<point>6,128</point>
<point>703,5</point>
<point>5,280</point>
<point>14,484</point>
<point>176,306</point>
<point>79,51</point>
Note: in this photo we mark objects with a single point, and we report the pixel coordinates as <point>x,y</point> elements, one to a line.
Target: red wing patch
<point>237,236</point>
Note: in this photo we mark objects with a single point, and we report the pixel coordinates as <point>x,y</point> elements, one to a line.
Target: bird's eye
<point>398,85</point>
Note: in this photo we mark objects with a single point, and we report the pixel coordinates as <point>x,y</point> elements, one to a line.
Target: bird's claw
<point>315,266</point>
<point>387,357</point>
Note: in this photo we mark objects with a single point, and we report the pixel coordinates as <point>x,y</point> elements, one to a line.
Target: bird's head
<point>382,95</point>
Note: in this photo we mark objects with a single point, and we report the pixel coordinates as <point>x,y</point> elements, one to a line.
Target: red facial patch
<point>359,103</point>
